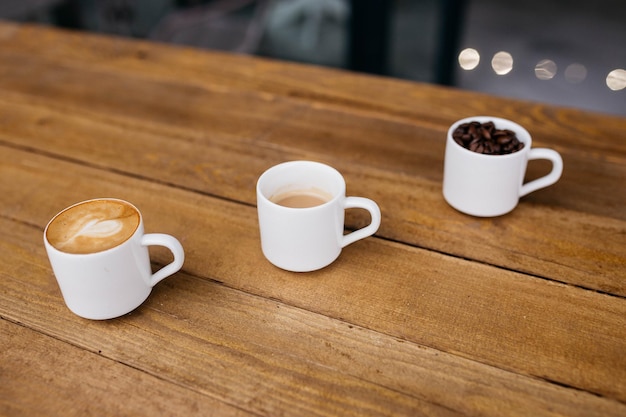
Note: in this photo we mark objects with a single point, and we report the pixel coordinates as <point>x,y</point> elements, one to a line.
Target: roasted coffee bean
<point>485,138</point>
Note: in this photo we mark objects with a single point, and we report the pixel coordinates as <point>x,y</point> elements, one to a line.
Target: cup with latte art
<point>99,255</point>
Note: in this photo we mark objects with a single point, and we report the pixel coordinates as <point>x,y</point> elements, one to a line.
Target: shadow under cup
<point>491,185</point>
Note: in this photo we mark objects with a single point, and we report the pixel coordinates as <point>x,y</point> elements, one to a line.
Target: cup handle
<point>551,178</point>
<point>374,210</point>
<point>170,242</point>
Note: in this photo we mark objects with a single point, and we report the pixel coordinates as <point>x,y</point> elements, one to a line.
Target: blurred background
<point>554,51</point>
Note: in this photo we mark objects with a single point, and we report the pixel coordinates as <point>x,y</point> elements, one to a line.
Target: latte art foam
<point>98,228</point>
<point>93,226</point>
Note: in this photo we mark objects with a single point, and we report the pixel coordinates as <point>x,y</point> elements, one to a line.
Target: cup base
<point>105,314</point>
<point>300,266</point>
<point>479,212</point>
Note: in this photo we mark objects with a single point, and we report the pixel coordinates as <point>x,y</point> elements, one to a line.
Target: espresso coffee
<point>302,198</point>
<point>93,226</point>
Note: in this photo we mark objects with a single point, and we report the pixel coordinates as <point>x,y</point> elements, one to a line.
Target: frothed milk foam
<point>93,226</point>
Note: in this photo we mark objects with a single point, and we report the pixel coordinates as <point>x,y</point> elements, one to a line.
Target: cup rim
<point>286,164</point>
<point>522,133</point>
<point>137,228</point>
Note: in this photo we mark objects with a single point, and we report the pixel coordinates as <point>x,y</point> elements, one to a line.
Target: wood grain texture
<point>43,376</point>
<point>440,314</point>
<point>257,354</point>
<point>223,153</point>
<point>527,325</point>
<point>327,87</point>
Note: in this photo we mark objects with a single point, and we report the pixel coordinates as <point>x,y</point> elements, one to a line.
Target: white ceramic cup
<point>110,283</point>
<point>307,239</point>
<point>491,185</point>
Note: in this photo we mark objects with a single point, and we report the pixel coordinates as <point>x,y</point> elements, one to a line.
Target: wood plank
<point>579,240</point>
<point>259,355</point>
<point>43,376</point>
<point>520,323</point>
<point>396,99</point>
<point>110,80</point>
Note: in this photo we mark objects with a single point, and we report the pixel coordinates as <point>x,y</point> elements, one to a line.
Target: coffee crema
<point>302,198</point>
<point>93,226</point>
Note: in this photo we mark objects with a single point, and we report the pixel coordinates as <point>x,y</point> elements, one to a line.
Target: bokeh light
<point>502,63</point>
<point>469,59</point>
<point>545,69</point>
<point>616,80</point>
<point>575,73</point>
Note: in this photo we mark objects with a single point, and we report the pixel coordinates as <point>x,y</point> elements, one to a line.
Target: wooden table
<point>439,314</point>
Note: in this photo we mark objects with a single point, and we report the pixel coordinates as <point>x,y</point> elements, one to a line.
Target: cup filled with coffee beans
<point>301,207</point>
<point>99,255</point>
<point>485,163</point>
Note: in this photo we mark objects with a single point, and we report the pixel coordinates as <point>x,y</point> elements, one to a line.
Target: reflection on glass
<point>502,63</point>
<point>616,80</point>
<point>469,58</point>
<point>545,69</point>
<point>575,73</point>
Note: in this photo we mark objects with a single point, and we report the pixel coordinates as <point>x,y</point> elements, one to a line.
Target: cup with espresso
<point>99,255</point>
<point>485,163</point>
<point>301,207</point>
